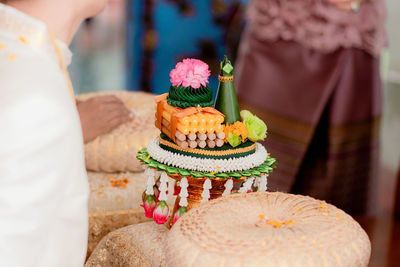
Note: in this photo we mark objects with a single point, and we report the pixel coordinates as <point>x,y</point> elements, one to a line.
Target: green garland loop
<point>264,168</point>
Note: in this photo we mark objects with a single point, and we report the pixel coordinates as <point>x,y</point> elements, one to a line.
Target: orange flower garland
<point>238,128</point>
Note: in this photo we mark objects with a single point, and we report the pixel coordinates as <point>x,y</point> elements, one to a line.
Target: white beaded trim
<point>262,187</point>
<point>247,185</point>
<point>228,187</point>
<point>163,186</point>
<point>204,164</point>
<point>206,191</point>
<point>150,174</point>
<point>184,193</point>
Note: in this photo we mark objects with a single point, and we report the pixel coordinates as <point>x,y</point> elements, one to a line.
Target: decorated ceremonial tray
<point>208,148</point>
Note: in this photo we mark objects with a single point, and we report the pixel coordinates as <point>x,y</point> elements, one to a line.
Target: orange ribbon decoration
<point>178,113</point>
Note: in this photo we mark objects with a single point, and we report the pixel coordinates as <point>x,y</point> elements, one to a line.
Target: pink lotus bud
<point>149,206</point>
<point>143,196</point>
<point>179,213</point>
<point>161,212</point>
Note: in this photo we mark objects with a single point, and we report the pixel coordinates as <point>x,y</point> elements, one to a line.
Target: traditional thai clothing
<point>43,185</point>
<point>311,72</point>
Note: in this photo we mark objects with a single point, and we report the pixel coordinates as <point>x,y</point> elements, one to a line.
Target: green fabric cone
<point>226,101</point>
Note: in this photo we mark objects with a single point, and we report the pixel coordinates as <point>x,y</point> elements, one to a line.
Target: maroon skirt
<point>322,112</point>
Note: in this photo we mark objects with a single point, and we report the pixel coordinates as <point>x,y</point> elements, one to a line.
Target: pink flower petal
<point>161,213</point>
<point>190,72</point>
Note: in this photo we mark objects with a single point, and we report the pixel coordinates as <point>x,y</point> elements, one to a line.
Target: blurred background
<point>133,45</point>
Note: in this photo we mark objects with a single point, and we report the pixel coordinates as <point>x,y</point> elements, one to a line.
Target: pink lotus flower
<point>161,212</point>
<point>149,206</point>
<point>179,213</point>
<point>190,72</point>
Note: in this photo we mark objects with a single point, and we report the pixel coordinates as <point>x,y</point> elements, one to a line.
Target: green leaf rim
<point>265,168</point>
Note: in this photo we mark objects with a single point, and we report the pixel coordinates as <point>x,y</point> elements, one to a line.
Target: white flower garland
<point>184,193</point>
<point>150,173</point>
<point>228,187</point>
<point>163,187</point>
<point>247,185</point>
<point>262,187</point>
<point>206,191</point>
<point>205,164</point>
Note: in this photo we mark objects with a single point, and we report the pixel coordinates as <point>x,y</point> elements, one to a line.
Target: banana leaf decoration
<point>226,100</point>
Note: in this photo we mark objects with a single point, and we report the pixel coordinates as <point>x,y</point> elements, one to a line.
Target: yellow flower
<point>23,40</point>
<point>11,57</point>
<point>274,223</point>
<point>238,128</point>
<point>111,176</point>
<point>278,224</point>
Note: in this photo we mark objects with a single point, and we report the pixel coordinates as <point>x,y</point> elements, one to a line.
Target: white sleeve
<point>34,162</point>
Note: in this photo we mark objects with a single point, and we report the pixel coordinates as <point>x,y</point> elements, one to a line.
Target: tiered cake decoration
<point>208,151</point>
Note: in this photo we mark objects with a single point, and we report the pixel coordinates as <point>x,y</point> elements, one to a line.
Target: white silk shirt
<point>43,184</point>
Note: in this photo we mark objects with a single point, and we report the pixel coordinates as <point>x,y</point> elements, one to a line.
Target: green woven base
<point>264,168</point>
<point>225,147</point>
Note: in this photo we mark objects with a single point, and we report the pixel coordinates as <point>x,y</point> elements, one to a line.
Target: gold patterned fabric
<point>116,151</point>
<point>267,229</point>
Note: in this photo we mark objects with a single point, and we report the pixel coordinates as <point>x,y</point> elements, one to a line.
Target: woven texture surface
<point>116,151</point>
<point>111,208</point>
<point>102,223</point>
<point>105,197</point>
<point>267,229</point>
<point>136,245</point>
